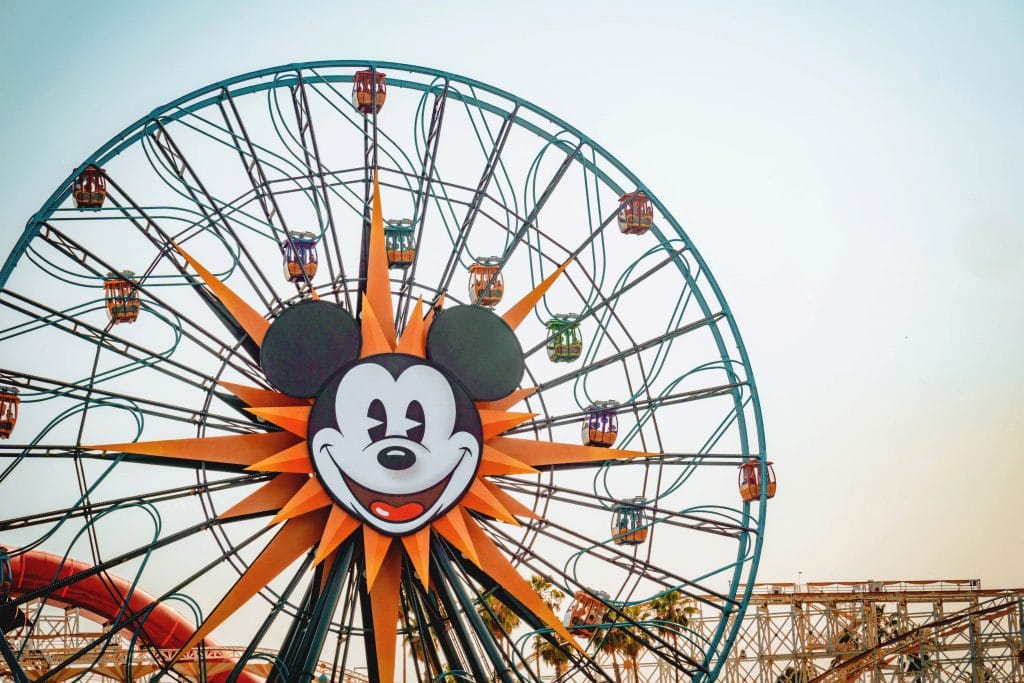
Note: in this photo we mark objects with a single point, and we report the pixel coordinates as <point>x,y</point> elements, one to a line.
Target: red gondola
<point>637,216</point>
<point>90,188</point>
<point>586,612</point>
<point>9,403</point>
<point>366,92</point>
<point>122,297</point>
<point>750,480</point>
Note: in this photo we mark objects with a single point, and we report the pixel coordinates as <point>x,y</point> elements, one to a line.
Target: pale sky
<point>853,174</point>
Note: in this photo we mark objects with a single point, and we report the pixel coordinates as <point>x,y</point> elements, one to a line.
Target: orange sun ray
<point>414,337</point>
<point>375,549</point>
<point>541,453</point>
<point>480,498</point>
<point>295,537</point>
<point>293,418</point>
<point>494,462</point>
<point>235,449</point>
<point>509,401</point>
<point>378,282</point>
<point>293,459</point>
<point>453,527</point>
<point>515,315</point>
<point>269,497</point>
<point>262,397</point>
<point>340,526</point>
<point>252,322</point>
<point>497,422</point>
<point>310,497</point>
<point>417,547</point>
<point>374,339</point>
<point>494,563</point>
<point>509,503</point>
<point>384,601</point>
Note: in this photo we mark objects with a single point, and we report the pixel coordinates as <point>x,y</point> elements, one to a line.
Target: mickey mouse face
<point>394,439</point>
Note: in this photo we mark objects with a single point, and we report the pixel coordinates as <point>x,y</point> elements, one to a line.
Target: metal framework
<point>870,632</point>
<point>227,172</point>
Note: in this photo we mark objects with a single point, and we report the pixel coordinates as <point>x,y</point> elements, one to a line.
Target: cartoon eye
<point>377,413</point>
<point>416,421</point>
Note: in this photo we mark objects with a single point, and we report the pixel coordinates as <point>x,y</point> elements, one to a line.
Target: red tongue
<point>402,513</point>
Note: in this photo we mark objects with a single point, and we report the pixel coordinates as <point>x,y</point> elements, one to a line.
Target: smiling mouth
<point>400,507</point>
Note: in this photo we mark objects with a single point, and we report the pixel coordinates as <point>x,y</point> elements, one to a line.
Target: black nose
<point>396,458</point>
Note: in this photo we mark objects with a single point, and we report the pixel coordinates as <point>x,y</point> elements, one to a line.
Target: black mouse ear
<point>479,349</point>
<point>306,344</point>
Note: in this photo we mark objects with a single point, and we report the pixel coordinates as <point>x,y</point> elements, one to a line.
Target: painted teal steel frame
<point>240,85</point>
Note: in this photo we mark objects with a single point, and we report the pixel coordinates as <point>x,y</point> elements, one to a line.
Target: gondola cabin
<point>750,480</point>
<point>122,297</point>
<point>369,89</point>
<point>565,343</point>
<point>486,285</point>
<point>9,403</point>
<point>601,424</point>
<point>637,214</point>
<point>400,243</point>
<point>300,259</point>
<point>629,523</point>
<point>586,612</point>
<point>90,188</point>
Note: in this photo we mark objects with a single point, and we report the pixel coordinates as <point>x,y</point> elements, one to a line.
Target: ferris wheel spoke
<point>146,406</point>
<point>632,351</point>
<point>490,166</point>
<point>258,178</point>
<point>104,339</point>
<point>138,552</point>
<point>584,663</point>
<point>316,175</point>
<point>683,520</point>
<point>423,194</point>
<point>581,543</point>
<point>174,156</point>
<point>133,620</point>
<point>662,401</point>
<point>151,497</point>
<point>83,256</point>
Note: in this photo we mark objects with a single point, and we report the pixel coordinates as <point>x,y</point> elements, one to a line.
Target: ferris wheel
<point>368,366</point>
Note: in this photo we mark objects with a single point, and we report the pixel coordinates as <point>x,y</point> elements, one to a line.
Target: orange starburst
<point>305,512</point>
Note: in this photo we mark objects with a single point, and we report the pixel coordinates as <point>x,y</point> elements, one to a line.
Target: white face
<point>398,453</point>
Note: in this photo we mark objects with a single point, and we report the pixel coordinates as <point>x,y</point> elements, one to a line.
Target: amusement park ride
<point>356,469</point>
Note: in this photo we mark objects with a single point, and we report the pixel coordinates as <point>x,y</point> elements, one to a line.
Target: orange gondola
<point>122,297</point>
<point>587,612</point>
<point>400,242</point>
<point>486,285</point>
<point>750,480</point>
<point>300,259</point>
<point>369,88</point>
<point>629,522</point>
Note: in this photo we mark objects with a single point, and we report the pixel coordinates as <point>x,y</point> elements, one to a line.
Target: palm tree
<point>551,654</point>
<point>632,644</point>
<point>673,608</point>
<point>790,675</point>
<point>498,619</point>
<point>551,596</point>
<point>612,641</point>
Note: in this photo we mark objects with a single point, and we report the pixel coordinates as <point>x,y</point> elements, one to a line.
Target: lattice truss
<point>870,632</point>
